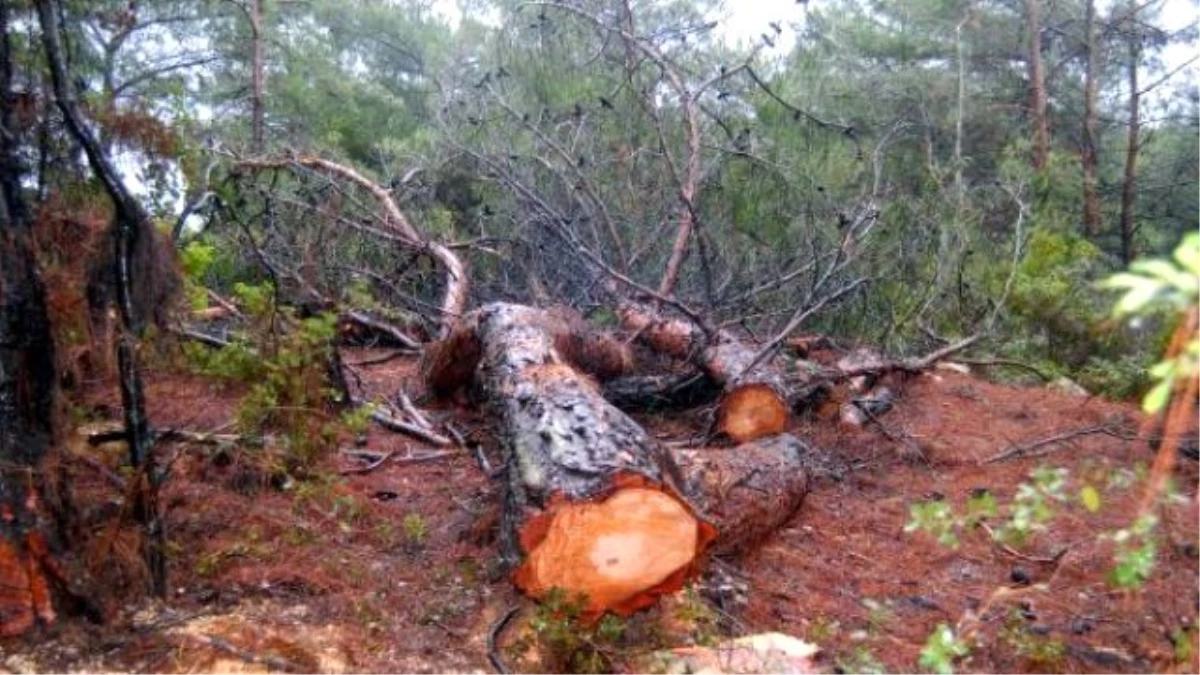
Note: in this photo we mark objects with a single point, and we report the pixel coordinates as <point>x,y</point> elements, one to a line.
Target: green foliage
<point>567,643</point>
<point>1136,553</point>
<point>1041,653</point>
<point>1031,508</point>
<point>937,519</point>
<point>416,530</point>
<point>941,650</point>
<point>1155,285</point>
<point>287,373</point>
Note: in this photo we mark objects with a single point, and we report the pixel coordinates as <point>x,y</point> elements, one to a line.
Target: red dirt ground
<point>395,570</point>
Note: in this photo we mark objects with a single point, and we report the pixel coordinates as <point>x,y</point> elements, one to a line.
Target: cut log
<point>747,491</point>
<point>754,402</point>
<point>592,506</point>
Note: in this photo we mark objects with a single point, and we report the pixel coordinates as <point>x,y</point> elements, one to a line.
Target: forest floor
<point>395,569</point>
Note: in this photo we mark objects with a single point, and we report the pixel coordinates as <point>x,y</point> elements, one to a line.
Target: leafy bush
<point>287,372</point>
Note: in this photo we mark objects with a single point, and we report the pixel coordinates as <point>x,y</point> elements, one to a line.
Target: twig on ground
<point>1028,449</point>
<point>493,639</point>
<point>270,661</point>
<point>420,459</point>
<point>367,468</point>
<point>374,361</point>
<point>481,459</point>
<point>905,439</point>
<point>1052,560</point>
<point>389,422</point>
<point>1006,362</point>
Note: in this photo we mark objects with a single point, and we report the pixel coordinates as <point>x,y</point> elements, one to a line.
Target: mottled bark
<point>747,491</point>
<point>594,505</point>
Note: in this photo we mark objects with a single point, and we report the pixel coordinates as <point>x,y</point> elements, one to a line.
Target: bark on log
<point>591,504</point>
<point>753,404</point>
<point>450,363</point>
<point>747,491</point>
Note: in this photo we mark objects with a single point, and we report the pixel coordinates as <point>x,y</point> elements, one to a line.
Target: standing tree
<point>27,385</point>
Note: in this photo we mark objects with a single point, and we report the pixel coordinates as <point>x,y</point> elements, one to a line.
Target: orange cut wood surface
<point>751,412</point>
<point>619,553</point>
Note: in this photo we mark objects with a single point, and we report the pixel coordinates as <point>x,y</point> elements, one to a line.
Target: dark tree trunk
<point>1129,188</point>
<point>27,377</point>
<point>257,79</point>
<point>1037,86</point>
<point>134,275</point>
<point>1087,154</point>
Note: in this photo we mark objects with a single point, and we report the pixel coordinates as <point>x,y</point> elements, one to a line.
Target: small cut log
<point>592,503</point>
<point>754,401</point>
<point>747,491</point>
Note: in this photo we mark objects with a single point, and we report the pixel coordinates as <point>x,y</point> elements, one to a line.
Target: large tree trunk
<point>27,377</point>
<point>754,401</point>
<point>1087,154</point>
<point>1037,86</point>
<point>1129,188</point>
<point>593,505</point>
<point>591,502</point>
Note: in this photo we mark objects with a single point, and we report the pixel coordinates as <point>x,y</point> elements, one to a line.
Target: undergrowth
<point>286,361</point>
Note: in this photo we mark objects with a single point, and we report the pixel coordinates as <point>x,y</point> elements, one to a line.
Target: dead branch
<point>1006,362</point>
<point>493,639</point>
<point>362,319</point>
<point>1028,449</point>
<point>810,382</point>
<point>454,301</point>
<point>799,318</point>
<point>201,337</point>
<point>388,420</point>
<point>367,468</point>
<point>421,459</point>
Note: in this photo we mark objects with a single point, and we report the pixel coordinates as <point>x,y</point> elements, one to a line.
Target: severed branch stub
<point>593,505</point>
<point>754,401</point>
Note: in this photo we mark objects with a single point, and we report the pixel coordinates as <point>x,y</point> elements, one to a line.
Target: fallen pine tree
<point>593,505</point>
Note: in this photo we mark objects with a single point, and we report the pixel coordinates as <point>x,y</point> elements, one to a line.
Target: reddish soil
<point>395,570</point>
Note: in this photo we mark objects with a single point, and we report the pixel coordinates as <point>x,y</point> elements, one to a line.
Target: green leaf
<point>1166,273</point>
<point>1139,291</point>
<point>1157,398</point>
<point>1090,497</point>
<point>1188,253</point>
